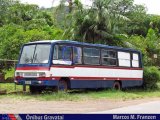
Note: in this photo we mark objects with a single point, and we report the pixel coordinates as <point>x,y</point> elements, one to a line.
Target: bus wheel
<point>117,85</point>
<point>35,89</point>
<point>62,86</point>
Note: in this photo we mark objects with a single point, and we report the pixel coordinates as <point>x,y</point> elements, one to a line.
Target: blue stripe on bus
<point>85,83</point>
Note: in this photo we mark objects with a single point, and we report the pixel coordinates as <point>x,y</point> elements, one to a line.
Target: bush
<point>151,76</point>
<point>9,73</point>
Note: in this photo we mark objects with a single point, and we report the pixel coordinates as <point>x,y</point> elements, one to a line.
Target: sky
<point>152,5</point>
<point>50,3</point>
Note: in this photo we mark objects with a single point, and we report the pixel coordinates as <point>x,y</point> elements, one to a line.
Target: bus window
<point>42,54</point>
<point>135,60</point>
<point>77,55</point>
<point>62,54</point>
<point>124,59</point>
<point>109,57</point>
<point>27,54</point>
<point>38,54</point>
<point>91,56</point>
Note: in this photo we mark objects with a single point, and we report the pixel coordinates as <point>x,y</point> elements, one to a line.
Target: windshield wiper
<point>35,59</point>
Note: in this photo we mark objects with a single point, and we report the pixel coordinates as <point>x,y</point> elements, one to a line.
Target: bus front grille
<point>30,74</point>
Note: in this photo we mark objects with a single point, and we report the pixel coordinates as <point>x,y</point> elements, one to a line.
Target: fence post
<point>15,86</point>
<point>24,88</point>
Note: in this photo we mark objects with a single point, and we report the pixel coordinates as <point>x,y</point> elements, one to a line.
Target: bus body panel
<point>103,84</point>
<point>97,73</point>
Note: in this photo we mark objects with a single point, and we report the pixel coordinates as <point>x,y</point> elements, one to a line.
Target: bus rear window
<point>135,60</point>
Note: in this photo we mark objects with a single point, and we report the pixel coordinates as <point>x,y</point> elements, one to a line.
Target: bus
<point>64,64</point>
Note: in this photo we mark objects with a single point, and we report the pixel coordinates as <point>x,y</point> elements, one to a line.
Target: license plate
<point>27,82</point>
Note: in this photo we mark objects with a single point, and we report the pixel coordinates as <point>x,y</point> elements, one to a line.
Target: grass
<point>10,87</point>
<point>77,95</point>
<point>125,95</point>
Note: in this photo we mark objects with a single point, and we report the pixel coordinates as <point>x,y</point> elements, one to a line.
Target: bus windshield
<point>37,53</point>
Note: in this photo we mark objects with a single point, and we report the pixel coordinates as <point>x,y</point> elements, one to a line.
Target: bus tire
<point>117,85</point>
<point>35,89</point>
<point>63,85</point>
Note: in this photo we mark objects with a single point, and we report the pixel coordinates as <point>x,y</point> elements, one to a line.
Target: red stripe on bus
<point>44,78</point>
<point>82,78</point>
<point>47,68</point>
<point>125,68</point>
<point>32,68</point>
<point>19,77</point>
<point>98,78</point>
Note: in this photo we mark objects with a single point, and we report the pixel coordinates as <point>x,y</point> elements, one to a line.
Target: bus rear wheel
<point>117,85</point>
<point>63,85</point>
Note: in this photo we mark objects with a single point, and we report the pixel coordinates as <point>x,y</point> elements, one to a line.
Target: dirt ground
<point>88,106</point>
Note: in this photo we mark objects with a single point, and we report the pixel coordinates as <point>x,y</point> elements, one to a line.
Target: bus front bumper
<point>37,82</point>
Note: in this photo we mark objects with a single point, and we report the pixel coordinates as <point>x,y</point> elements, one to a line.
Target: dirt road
<point>88,106</point>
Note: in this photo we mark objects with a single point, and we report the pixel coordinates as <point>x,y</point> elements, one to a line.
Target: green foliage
<point>21,24</point>
<point>9,73</point>
<point>12,37</point>
<point>101,23</point>
<point>10,87</point>
<point>10,41</point>
<point>151,77</point>
<point>139,21</point>
<point>118,22</point>
<point>152,42</point>
<point>148,45</point>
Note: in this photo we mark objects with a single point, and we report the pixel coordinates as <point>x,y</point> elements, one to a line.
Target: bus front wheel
<point>117,85</point>
<point>63,86</point>
<point>35,89</point>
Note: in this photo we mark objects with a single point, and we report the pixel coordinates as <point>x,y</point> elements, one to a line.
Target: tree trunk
<point>70,5</point>
<point>93,38</point>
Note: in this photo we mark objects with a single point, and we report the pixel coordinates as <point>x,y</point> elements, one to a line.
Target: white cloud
<point>50,3</point>
<point>152,5</point>
<point>41,3</point>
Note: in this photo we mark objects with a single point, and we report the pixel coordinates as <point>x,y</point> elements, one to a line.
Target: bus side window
<point>109,57</point>
<point>77,55</point>
<point>91,56</point>
<point>62,55</point>
<point>66,53</point>
<point>124,59</point>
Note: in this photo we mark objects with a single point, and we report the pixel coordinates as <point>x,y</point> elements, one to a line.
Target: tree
<point>153,46</point>
<point>100,23</point>
<point>5,4</point>
<point>139,21</point>
<point>148,45</point>
<point>23,23</point>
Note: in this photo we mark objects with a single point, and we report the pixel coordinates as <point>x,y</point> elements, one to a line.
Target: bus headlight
<point>19,74</point>
<point>42,74</point>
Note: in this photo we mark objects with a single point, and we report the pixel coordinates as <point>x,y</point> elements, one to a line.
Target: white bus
<point>67,65</point>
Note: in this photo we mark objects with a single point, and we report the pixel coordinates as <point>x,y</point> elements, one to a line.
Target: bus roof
<point>83,43</point>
